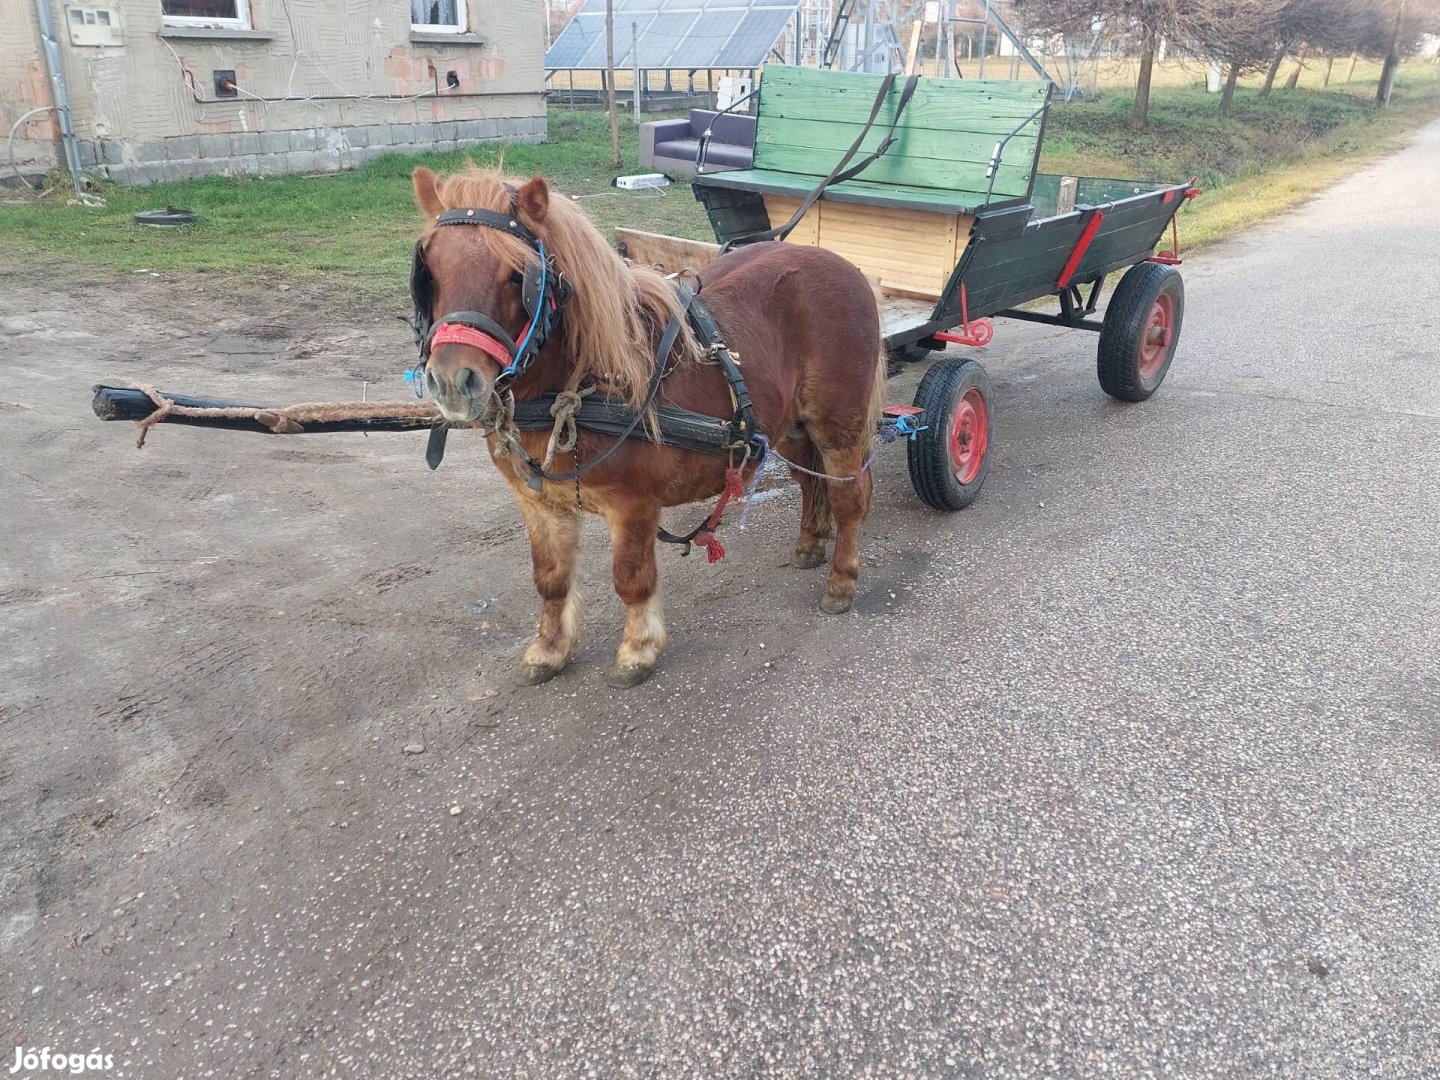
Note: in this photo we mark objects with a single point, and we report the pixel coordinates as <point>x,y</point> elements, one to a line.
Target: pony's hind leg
<point>554,546</point>
<point>849,502</point>
<point>633,525</point>
<point>817,524</point>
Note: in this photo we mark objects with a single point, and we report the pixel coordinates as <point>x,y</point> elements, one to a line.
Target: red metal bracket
<point>1172,257</point>
<point>1081,246</point>
<point>980,332</point>
<point>894,412</point>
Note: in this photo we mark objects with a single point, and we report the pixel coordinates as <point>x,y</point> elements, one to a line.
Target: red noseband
<point>459,334</point>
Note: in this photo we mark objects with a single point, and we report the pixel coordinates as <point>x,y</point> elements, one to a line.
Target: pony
<point>803,323</point>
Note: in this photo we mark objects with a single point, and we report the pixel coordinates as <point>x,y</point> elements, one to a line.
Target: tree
<point>1239,34</point>
<point>1148,21</point>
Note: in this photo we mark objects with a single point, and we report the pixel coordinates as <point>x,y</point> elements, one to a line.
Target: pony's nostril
<point>432,383</point>
<point>471,384</point>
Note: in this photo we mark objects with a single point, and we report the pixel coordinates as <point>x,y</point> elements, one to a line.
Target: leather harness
<point>544,292</point>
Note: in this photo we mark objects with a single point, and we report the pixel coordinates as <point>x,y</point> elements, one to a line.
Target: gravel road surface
<point>1131,769</point>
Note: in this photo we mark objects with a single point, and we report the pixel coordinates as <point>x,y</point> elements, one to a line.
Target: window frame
<point>242,20</point>
<point>460,26</point>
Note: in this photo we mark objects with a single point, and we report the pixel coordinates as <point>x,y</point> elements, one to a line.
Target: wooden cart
<point>955,213</point>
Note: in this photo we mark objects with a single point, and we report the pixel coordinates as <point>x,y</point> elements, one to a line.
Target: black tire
<point>947,468</point>
<point>1130,361</point>
<point>170,217</point>
<point>897,356</point>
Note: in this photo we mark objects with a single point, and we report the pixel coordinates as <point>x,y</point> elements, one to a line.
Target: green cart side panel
<point>1089,191</point>
<point>809,117</point>
<point>1002,273</point>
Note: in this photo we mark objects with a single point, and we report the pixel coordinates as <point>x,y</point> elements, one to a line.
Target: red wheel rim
<point>969,435</point>
<point>1156,337</point>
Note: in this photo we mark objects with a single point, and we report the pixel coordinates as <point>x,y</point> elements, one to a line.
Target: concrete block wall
<point>341,86</point>
<point>300,150</point>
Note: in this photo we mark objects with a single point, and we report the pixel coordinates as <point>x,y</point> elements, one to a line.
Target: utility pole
<point>610,82</point>
<point>635,68</point>
<point>985,39</point>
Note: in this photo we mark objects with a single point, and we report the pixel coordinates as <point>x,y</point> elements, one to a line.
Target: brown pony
<point>802,321</point>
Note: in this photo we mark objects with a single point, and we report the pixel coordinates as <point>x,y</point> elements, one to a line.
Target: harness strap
<point>704,533</point>
<point>742,423</point>
<point>839,174</point>
<point>538,474</point>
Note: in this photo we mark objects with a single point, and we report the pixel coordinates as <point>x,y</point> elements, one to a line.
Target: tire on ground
<point>950,458</point>
<point>1142,327</point>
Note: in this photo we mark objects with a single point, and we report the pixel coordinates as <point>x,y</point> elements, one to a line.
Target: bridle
<point>543,293</point>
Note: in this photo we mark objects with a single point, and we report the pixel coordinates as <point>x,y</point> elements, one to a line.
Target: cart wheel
<point>949,459</point>
<point>897,356</point>
<point>1142,326</point>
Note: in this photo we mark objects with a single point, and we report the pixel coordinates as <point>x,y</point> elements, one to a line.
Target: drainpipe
<point>53,61</point>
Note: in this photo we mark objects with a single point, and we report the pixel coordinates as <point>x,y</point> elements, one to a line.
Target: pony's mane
<point>616,310</point>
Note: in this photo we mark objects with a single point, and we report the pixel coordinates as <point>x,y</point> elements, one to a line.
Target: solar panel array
<point>676,34</point>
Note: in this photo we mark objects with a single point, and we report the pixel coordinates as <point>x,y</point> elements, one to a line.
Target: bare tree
<point>1240,34</point>
<point>1147,22</point>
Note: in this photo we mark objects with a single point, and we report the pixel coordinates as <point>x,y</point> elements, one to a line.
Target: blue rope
<point>539,309</point>
<point>755,479</point>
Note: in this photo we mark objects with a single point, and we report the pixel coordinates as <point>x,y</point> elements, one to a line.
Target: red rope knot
<point>714,550</point>
<point>734,484</point>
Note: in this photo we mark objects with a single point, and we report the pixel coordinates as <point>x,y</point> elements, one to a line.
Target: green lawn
<point>357,228</point>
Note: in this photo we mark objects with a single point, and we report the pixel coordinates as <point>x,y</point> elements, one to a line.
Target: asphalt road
<point>1129,770</point>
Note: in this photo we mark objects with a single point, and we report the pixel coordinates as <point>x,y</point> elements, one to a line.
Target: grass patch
<point>1271,154</point>
<point>356,229</point>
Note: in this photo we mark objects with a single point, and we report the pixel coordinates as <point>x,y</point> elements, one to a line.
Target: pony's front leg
<point>632,540</point>
<point>554,546</point>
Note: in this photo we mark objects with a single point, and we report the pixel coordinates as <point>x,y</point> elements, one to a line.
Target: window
<point>441,16</point>
<point>233,14</point>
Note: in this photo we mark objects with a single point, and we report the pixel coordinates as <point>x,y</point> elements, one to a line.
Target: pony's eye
<point>517,278</point>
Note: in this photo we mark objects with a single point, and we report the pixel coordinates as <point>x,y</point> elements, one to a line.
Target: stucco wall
<point>138,120</point>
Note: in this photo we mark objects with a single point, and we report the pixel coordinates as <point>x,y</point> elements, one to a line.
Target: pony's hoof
<point>835,605</point>
<point>807,560</point>
<point>535,674</point>
<point>622,678</point>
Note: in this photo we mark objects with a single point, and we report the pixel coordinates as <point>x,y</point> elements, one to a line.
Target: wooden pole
<point>913,53</point>
<point>610,82</point>
<point>127,403</point>
<point>1351,73</point>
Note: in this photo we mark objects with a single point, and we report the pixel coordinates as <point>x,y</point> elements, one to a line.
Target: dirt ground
<point>1128,769</point>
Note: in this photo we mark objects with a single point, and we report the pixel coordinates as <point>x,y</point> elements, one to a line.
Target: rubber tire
<point>932,472</point>
<point>170,216</point>
<point>1118,355</point>
<point>897,356</point>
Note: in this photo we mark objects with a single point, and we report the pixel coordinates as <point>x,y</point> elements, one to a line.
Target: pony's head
<point>477,281</point>
<point>469,286</point>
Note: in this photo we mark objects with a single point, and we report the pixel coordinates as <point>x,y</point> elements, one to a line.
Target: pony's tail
<point>878,394</point>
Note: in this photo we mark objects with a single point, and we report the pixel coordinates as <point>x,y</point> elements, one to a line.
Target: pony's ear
<point>427,191</point>
<point>534,199</point>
